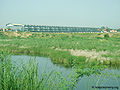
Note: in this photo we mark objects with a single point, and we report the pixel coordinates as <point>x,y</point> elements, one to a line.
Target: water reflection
<point>44,64</point>
<point>109,77</point>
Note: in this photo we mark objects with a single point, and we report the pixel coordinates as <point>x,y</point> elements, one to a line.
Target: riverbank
<point>65,48</point>
<point>86,53</point>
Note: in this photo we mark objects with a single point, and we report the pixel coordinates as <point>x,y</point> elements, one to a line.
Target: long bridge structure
<point>44,28</point>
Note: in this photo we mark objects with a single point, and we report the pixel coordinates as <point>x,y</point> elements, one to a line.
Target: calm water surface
<point>84,83</point>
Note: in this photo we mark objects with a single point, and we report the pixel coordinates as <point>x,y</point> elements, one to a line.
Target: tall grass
<point>45,44</point>
<point>26,77</point>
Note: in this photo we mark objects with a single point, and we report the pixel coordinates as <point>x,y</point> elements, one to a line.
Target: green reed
<point>26,77</point>
<point>45,44</point>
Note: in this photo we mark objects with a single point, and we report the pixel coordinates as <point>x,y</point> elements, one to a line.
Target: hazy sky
<point>90,13</point>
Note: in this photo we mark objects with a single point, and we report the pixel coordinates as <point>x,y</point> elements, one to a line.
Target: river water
<point>92,82</point>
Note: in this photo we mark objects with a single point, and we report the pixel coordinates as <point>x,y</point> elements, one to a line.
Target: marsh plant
<point>86,53</point>
<point>62,47</point>
<point>26,77</point>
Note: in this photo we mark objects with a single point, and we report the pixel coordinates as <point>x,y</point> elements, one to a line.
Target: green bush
<point>106,35</point>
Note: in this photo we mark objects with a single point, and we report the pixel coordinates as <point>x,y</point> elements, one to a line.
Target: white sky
<point>89,13</point>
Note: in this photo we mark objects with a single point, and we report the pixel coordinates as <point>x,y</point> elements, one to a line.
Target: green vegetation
<point>65,48</point>
<point>13,77</point>
<point>86,53</point>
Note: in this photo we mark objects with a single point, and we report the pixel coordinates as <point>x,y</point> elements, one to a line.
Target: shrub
<point>106,35</point>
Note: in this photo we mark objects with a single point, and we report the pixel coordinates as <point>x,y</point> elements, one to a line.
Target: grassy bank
<point>86,53</point>
<point>26,76</point>
<point>65,48</point>
<point>14,77</point>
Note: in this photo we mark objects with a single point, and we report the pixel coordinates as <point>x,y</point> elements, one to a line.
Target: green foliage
<point>106,35</point>
<point>57,46</point>
<point>15,77</point>
<point>45,44</point>
<point>3,36</point>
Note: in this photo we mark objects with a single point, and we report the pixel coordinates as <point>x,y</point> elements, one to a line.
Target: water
<point>108,78</point>
<point>44,64</point>
<point>84,83</point>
